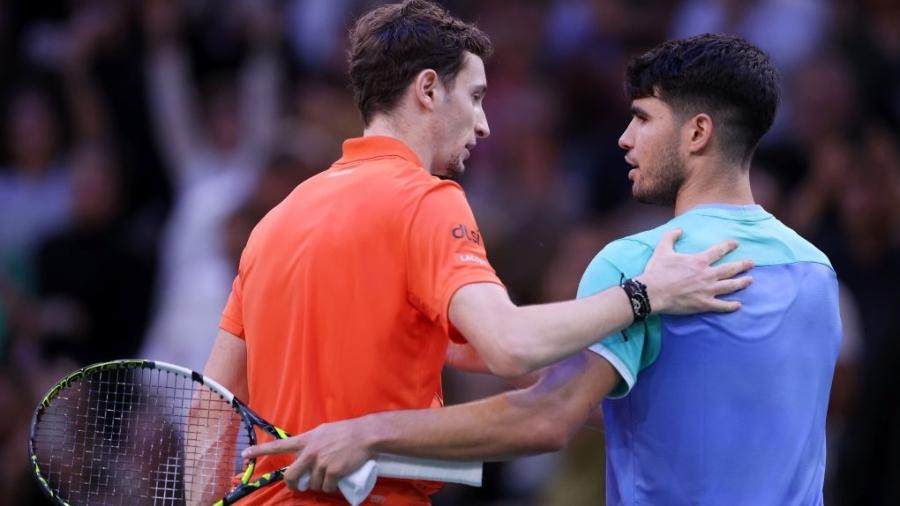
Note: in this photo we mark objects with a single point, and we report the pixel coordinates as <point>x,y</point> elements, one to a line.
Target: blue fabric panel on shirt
<point>733,409</point>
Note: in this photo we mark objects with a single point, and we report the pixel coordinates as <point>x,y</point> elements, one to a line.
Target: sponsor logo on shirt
<point>462,232</point>
<point>345,172</point>
<point>473,259</point>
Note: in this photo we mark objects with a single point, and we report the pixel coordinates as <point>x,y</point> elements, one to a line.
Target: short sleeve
<point>232,317</point>
<point>636,347</point>
<point>445,252</point>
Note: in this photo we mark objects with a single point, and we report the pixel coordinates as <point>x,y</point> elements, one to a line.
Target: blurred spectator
<point>315,30</point>
<point>34,188</point>
<point>214,158</point>
<point>866,34</point>
<point>93,283</point>
<point>320,114</point>
<point>870,468</point>
<point>774,25</point>
<point>34,199</point>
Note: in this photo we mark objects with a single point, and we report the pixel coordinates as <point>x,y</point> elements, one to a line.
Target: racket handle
<point>355,487</point>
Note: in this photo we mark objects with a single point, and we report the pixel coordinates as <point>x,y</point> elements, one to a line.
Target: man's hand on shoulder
<point>685,284</point>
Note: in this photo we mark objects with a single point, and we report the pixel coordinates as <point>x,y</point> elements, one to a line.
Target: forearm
<point>514,341</point>
<point>493,429</point>
<point>544,334</point>
<point>259,100</point>
<point>173,108</point>
<point>539,419</point>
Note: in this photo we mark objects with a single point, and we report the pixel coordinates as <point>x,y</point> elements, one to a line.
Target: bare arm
<point>85,101</point>
<point>464,357</point>
<point>514,340</point>
<point>169,89</point>
<point>227,364</point>
<point>259,81</point>
<point>538,419</point>
<point>209,434</point>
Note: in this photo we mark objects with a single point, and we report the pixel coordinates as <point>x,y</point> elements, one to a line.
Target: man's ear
<point>699,131</point>
<point>426,87</point>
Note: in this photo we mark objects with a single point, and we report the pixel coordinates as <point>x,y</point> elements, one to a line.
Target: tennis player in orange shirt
<point>350,292</point>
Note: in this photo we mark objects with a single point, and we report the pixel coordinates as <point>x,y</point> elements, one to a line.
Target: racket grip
<point>355,487</point>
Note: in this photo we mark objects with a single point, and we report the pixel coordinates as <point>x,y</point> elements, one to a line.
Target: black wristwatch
<point>637,295</point>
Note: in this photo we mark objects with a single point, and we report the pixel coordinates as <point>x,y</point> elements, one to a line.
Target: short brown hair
<point>392,43</point>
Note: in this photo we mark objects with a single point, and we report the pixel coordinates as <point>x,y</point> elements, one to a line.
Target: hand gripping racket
<point>140,432</point>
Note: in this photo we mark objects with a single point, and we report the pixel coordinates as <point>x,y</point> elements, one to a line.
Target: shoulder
<point>798,249</point>
<point>408,184</point>
<point>631,253</point>
<point>623,258</point>
<point>428,193</point>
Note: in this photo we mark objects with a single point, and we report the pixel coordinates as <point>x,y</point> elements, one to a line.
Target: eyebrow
<point>637,111</point>
<point>481,88</point>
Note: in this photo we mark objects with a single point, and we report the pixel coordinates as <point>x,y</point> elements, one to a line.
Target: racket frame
<point>249,417</point>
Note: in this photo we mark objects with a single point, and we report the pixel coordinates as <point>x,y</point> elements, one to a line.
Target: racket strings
<point>139,436</point>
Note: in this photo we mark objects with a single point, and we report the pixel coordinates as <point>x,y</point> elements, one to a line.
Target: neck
<point>410,135</point>
<point>715,185</point>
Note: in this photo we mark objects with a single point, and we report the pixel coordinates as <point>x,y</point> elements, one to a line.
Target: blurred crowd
<point>143,139</point>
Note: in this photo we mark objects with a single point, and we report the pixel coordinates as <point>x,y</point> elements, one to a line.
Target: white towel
<point>357,485</point>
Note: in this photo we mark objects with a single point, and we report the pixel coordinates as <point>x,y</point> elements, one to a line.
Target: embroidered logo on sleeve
<point>462,232</point>
<point>473,259</point>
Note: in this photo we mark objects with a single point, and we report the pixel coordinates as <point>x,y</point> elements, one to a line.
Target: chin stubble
<point>669,176</point>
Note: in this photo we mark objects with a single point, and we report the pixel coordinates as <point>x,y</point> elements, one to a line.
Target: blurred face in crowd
<point>458,117</point>
<point>652,142</point>
<point>95,186</point>
<point>32,131</point>
<point>222,116</point>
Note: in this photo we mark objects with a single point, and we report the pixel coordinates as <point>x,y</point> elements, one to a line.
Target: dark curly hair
<point>391,44</point>
<point>724,76</point>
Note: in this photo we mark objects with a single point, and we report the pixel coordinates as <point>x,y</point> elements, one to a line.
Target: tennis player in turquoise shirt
<point>715,409</point>
<point>711,409</point>
<point>723,409</point>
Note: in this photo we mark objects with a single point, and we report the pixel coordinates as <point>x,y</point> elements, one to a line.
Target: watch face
<point>637,296</point>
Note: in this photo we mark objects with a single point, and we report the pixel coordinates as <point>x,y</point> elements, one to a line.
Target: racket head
<point>136,432</point>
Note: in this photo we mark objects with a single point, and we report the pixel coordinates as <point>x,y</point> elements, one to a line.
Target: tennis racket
<point>141,432</point>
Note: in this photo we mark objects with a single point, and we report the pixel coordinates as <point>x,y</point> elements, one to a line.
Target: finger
<point>668,239</point>
<point>317,476</point>
<point>297,469</point>
<point>724,306</point>
<point>732,269</point>
<point>330,483</point>
<point>728,286</point>
<point>291,444</point>
<point>717,251</point>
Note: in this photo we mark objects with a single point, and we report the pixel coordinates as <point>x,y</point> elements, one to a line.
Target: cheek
<point>647,141</point>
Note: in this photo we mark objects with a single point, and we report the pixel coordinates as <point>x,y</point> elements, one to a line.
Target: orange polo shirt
<point>342,296</point>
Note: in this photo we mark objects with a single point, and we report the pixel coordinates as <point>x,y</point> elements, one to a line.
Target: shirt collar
<point>732,211</point>
<point>376,146</point>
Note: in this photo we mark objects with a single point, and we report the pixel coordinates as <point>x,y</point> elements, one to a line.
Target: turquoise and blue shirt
<point>723,408</point>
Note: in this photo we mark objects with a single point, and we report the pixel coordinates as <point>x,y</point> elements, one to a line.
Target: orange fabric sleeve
<point>445,252</point>
<point>232,317</point>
